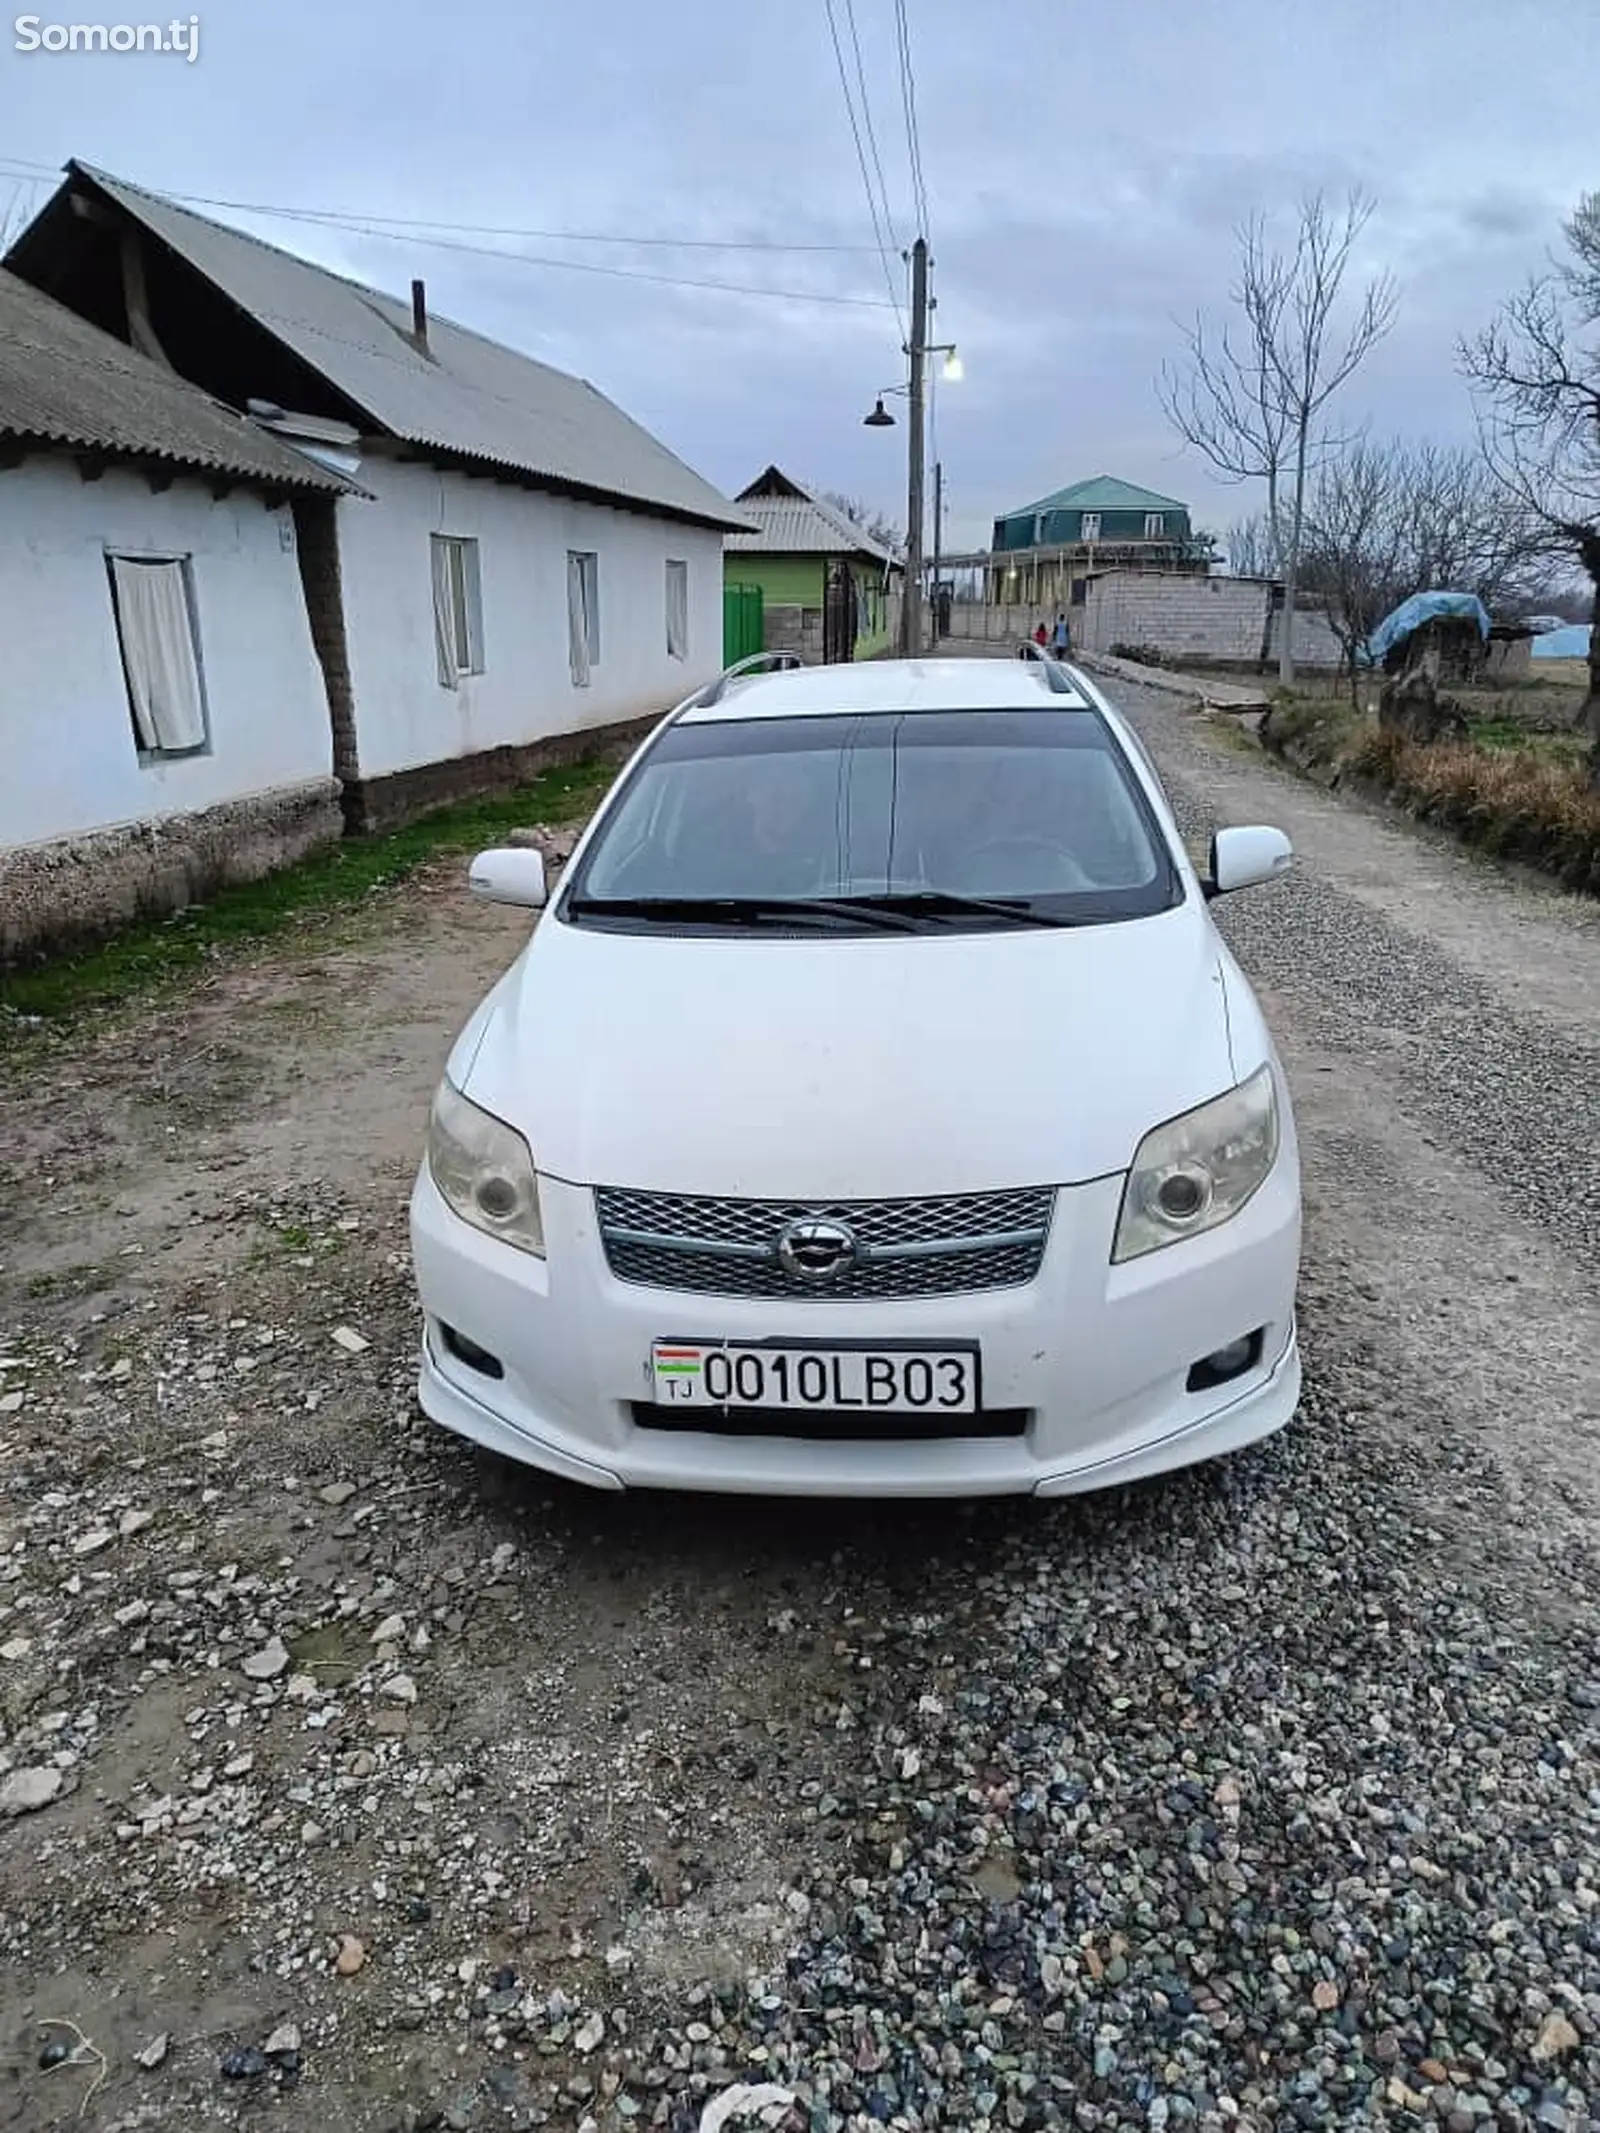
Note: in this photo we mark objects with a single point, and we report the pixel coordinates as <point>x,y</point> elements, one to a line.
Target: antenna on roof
<point>419,313</point>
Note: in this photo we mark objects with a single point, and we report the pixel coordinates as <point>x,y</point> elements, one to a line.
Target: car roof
<point>887,685</point>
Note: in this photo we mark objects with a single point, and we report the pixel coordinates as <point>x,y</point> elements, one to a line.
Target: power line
<point>872,139</point>
<point>908,98</point>
<point>343,217</point>
<point>358,217</point>
<point>398,232</point>
<point>861,160</point>
<point>591,266</point>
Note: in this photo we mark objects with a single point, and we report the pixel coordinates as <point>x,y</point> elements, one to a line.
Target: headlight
<point>484,1170</point>
<point>1198,1171</point>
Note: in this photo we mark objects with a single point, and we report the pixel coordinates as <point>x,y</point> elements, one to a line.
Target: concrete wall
<point>68,892</point>
<point>1315,644</point>
<point>73,763</point>
<point>1204,620</point>
<point>406,719</point>
<point>1179,615</point>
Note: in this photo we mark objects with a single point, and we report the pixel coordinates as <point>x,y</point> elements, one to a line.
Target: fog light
<point>468,1352</point>
<point>1231,1361</point>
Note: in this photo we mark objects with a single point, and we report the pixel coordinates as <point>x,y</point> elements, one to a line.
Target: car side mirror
<point>510,875</point>
<point>1240,858</point>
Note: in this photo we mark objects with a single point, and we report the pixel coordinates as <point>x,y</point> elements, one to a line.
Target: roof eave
<point>150,458</point>
<point>563,485</point>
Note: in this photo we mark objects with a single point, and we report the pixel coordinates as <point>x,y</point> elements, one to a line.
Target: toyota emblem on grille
<point>815,1251</point>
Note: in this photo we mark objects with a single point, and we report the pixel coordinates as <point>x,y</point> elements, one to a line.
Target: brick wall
<point>1180,615</point>
<point>793,629</point>
<point>1315,645</point>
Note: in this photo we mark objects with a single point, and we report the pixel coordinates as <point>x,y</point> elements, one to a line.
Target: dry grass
<point>1515,803</point>
<point>1532,801</point>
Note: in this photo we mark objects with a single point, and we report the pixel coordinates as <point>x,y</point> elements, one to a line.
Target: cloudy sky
<point>1085,169</point>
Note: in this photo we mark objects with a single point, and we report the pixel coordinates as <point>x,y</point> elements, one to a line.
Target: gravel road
<point>349,1781</point>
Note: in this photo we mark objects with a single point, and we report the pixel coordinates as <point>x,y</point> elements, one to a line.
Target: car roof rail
<point>714,691</point>
<point>1057,680</point>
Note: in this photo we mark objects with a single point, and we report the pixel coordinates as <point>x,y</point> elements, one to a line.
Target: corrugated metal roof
<point>65,382</point>
<point>802,523</point>
<point>1102,492</point>
<point>466,394</point>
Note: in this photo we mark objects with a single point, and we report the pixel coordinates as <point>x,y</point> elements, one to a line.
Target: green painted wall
<point>785,580</point>
<point>799,581</point>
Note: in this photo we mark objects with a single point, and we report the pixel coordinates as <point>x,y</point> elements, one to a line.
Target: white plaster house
<point>529,572</point>
<point>164,712</point>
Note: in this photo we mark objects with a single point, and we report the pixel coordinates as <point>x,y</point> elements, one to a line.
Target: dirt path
<point>651,1769</point>
<point>1440,1020</point>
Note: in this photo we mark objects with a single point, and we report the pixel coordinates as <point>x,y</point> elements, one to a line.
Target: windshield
<point>985,818</point>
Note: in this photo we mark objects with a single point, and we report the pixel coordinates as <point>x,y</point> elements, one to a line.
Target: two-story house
<point>1043,553</point>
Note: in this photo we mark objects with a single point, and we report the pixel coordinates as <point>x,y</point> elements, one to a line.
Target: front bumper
<point>1098,1355</point>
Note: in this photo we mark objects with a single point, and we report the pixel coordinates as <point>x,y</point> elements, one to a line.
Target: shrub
<point>1532,802</point>
<point>1515,803</point>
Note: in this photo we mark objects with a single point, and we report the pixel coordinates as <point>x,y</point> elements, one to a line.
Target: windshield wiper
<point>744,910</point>
<point>947,904</point>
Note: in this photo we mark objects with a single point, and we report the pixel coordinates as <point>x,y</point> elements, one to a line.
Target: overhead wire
<point>594,266</point>
<point>872,138</point>
<point>908,99</point>
<point>861,160</point>
<point>396,229</point>
<point>407,224</point>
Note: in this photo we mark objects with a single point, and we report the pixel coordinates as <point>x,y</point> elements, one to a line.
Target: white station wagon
<point>876,1110</point>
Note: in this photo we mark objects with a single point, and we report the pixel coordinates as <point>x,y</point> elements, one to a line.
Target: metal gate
<point>839,615</point>
<point>743,623</point>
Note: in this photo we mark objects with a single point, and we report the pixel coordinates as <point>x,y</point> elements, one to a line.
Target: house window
<point>677,610</point>
<point>457,608</point>
<point>153,605</point>
<point>1089,526</point>
<point>1154,525</point>
<point>583,614</point>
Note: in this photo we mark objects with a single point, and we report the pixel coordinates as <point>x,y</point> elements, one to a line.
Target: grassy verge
<point>1507,790</point>
<point>150,954</point>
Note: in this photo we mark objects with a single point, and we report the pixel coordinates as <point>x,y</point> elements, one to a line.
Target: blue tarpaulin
<point>1569,642</point>
<point>1424,607</point>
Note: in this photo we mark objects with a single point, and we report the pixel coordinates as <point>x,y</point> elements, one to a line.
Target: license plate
<point>905,1381</point>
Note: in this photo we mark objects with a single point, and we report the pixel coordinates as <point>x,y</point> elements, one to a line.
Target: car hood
<point>850,1068</point>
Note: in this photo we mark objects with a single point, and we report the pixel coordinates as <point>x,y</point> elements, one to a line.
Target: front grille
<point>943,1247</point>
<point>829,1425</point>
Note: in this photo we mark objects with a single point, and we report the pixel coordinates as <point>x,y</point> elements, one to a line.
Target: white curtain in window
<point>443,620</point>
<point>678,610</point>
<point>158,652</point>
<point>578,620</point>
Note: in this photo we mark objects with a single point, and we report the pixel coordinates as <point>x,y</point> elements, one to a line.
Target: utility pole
<point>938,529</point>
<point>911,602</point>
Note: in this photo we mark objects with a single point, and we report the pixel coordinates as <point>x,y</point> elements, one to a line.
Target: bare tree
<point>1223,399</point>
<point>1384,521</point>
<point>1536,374</point>
<point>1252,547</point>
<point>1353,545</point>
<point>1253,405</point>
<point>872,523</point>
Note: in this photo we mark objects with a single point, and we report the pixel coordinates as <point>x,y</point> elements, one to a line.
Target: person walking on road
<point>1061,635</point>
<point>1041,636</point>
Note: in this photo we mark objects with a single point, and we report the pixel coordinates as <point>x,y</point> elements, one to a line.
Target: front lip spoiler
<point>1063,1481</point>
<point>1057,1483</point>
